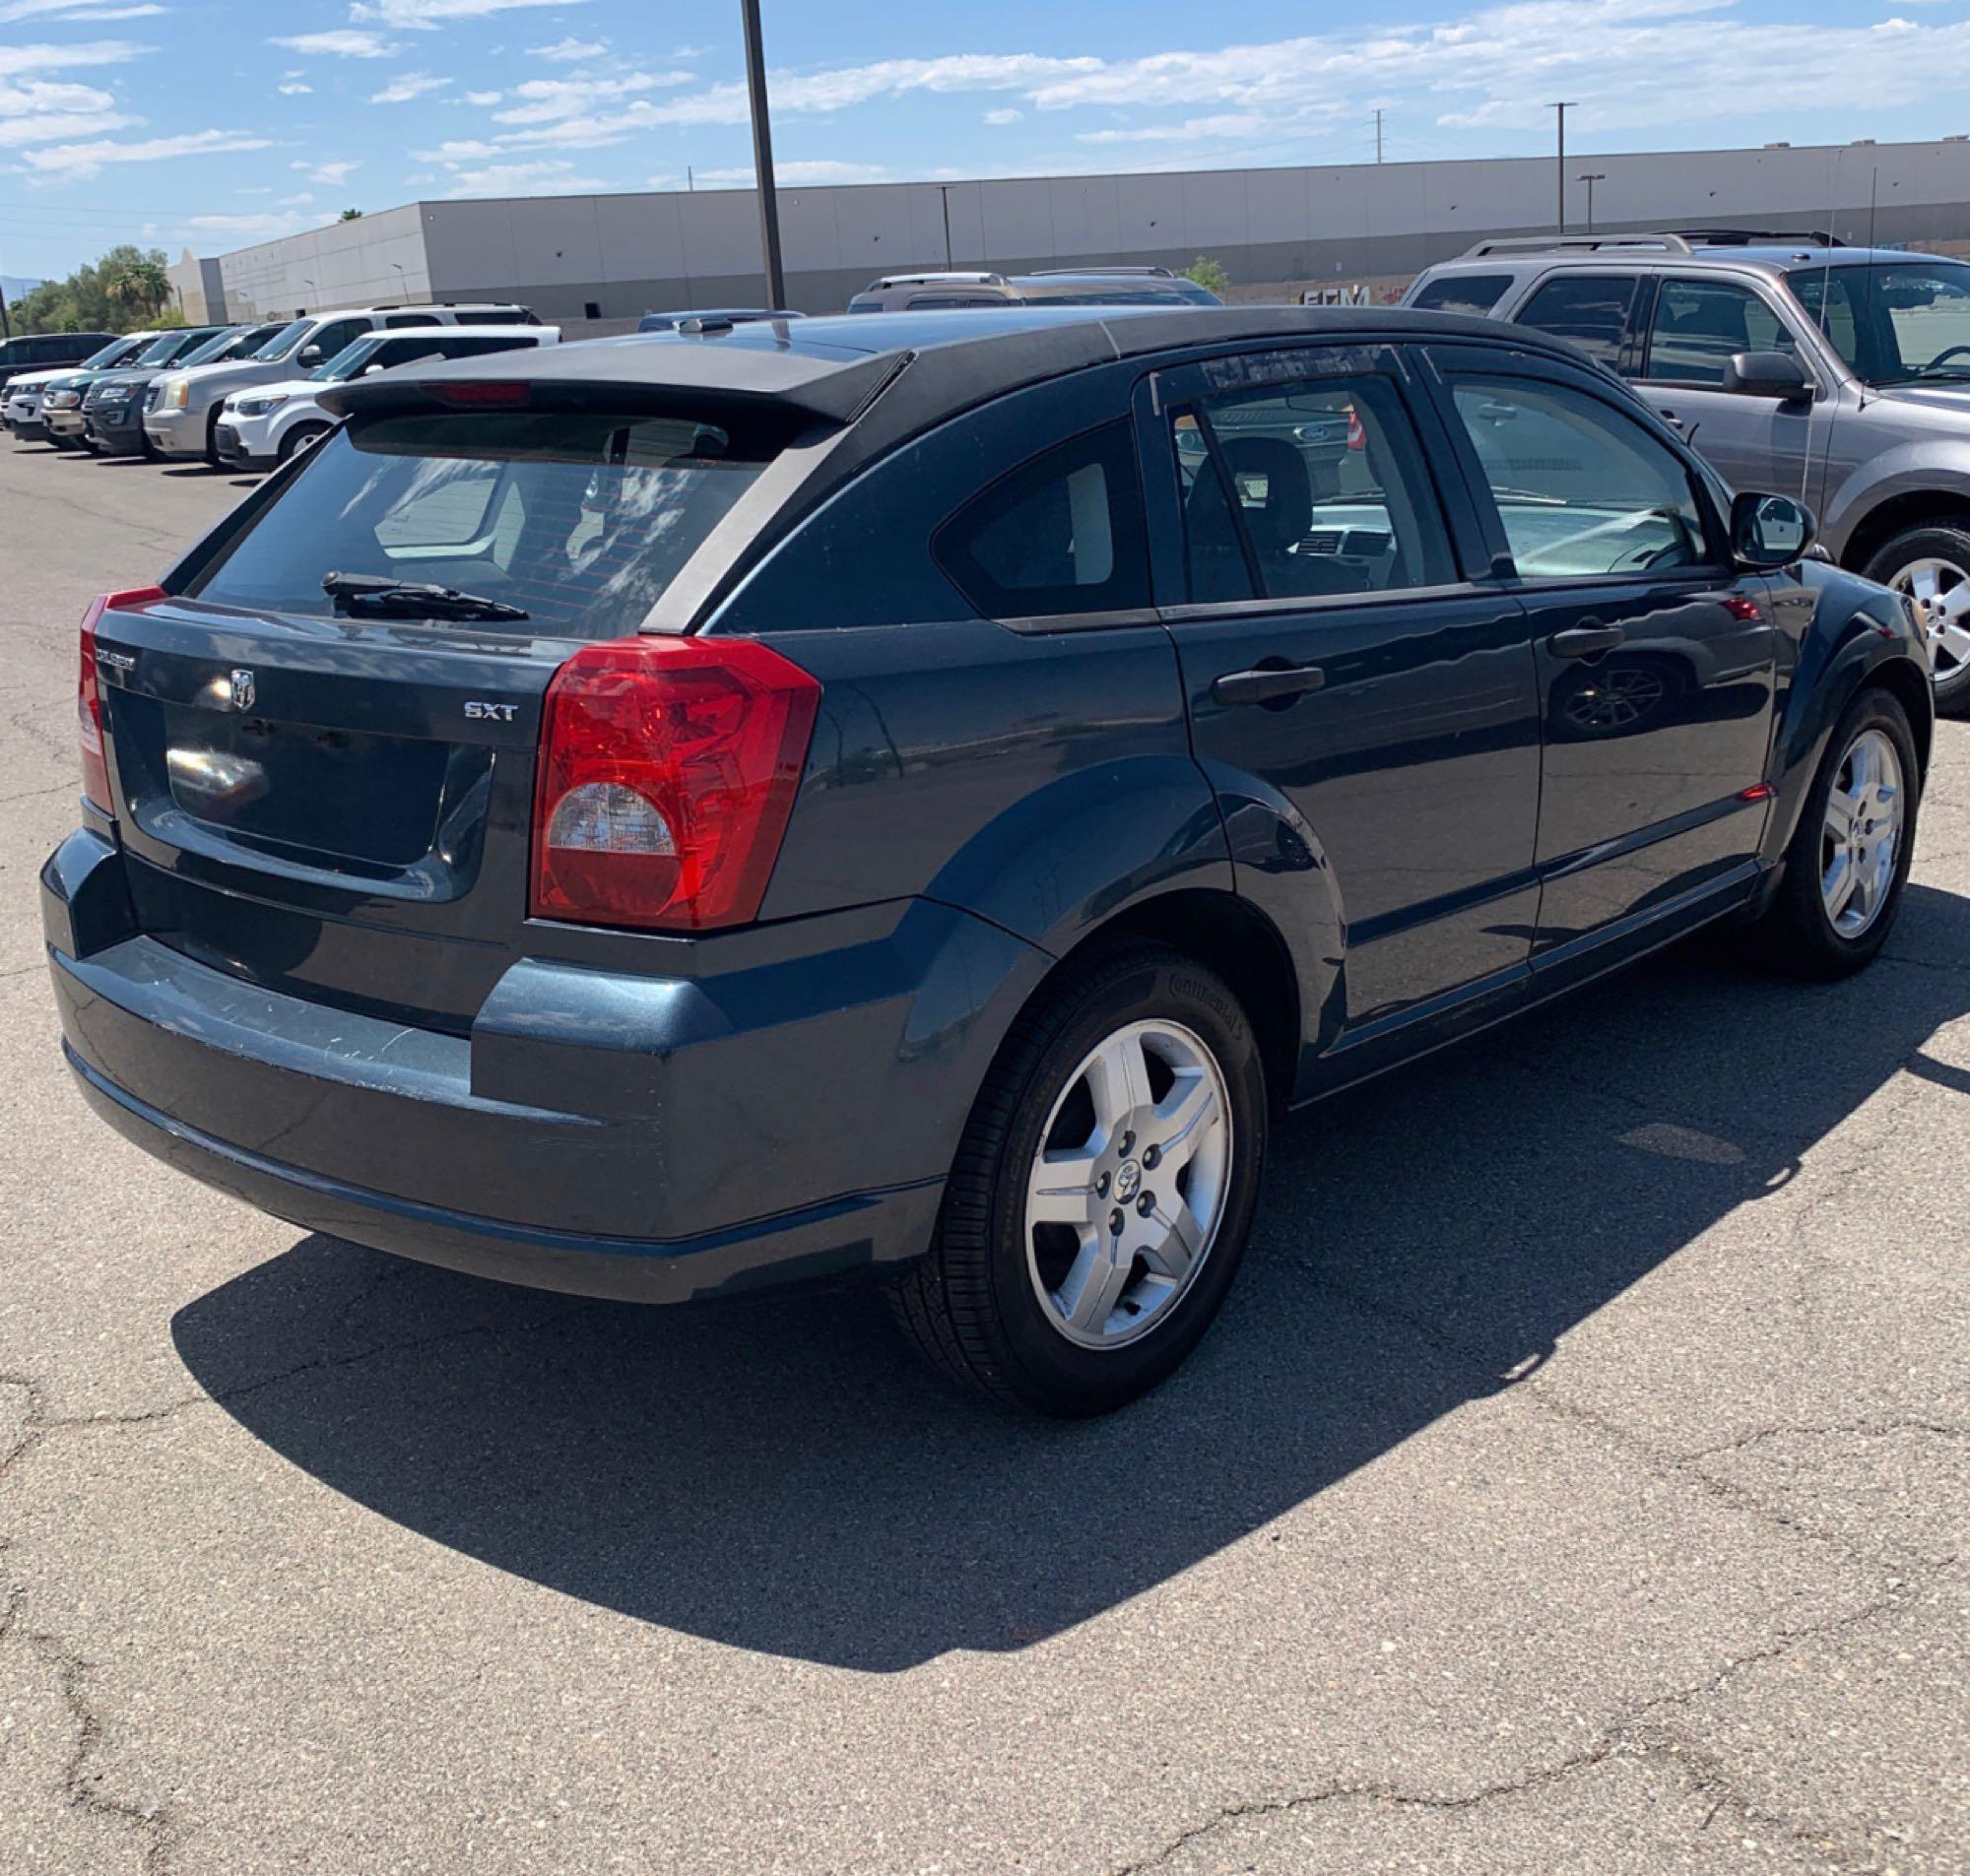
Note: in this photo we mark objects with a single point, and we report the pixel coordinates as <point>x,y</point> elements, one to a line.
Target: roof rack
<point>942,278</point>
<point>1050,273</point>
<point>1668,242</point>
<point>405,305</point>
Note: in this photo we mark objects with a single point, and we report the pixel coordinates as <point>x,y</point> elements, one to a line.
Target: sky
<point>213,124</point>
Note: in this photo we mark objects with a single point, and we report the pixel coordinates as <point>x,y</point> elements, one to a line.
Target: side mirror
<point>370,370</point>
<point>1772,374</point>
<point>1768,530</point>
<point>309,355</point>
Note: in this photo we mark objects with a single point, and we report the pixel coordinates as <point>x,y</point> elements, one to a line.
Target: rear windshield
<point>581,519</point>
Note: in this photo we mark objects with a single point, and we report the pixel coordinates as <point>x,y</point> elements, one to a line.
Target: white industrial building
<point>594,262</point>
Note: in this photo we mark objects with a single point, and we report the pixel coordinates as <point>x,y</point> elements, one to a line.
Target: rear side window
<point>1064,533</point>
<point>1591,309</point>
<point>412,319</point>
<point>1699,324</point>
<point>581,519</point>
<point>1461,293</point>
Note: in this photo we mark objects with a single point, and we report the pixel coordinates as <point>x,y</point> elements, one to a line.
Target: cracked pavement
<point>1576,1482</point>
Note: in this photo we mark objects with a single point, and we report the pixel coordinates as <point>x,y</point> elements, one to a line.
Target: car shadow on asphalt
<point>778,1475</point>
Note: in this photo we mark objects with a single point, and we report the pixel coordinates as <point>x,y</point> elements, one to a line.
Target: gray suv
<point>1841,374</point>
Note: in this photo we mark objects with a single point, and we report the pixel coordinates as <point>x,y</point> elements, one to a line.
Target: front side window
<point>1589,309</point>
<point>581,519</point>
<point>331,338</point>
<point>1461,293</point>
<point>283,341</point>
<point>1699,325</point>
<point>1314,489</point>
<point>1581,488</point>
<point>1062,533</point>
<point>1898,323</point>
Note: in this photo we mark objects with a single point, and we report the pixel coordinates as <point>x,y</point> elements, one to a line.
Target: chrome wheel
<point>1860,845</point>
<point>1129,1188</point>
<point>1940,592</point>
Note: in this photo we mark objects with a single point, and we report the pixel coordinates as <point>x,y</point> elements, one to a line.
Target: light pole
<point>762,156</point>
<point>1591,177</point>
<point>1559,165</point>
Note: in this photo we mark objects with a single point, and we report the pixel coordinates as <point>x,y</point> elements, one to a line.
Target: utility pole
<point>1591,177</point>
<point>762,156</point>
<point>1378,136</point>
<point>1559,167</point>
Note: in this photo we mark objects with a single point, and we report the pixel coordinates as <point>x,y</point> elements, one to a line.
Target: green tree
<point>141,285</point>
<point>88,301</point>
<point>352,215</point>
<point>1209,275</point>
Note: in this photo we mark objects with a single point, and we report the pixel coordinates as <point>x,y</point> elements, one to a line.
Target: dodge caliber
<point>917,799</point>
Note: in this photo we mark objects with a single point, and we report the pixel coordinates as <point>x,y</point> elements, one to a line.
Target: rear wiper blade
<point>413,599</point>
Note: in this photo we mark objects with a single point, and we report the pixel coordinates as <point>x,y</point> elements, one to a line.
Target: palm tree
<point>141,285</point>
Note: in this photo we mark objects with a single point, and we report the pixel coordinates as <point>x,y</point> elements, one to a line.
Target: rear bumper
<point>634,1137</point>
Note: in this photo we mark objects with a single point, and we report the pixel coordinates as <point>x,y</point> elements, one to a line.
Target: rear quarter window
<point>1062,533</point>
<point>1461,293</point>
<point>581,519</point>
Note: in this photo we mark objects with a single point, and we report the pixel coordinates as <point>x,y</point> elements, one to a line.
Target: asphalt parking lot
<point>1577,1480</point>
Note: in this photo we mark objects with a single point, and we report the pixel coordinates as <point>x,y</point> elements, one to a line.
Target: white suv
<point>182,409</point>
<point>267,424</point>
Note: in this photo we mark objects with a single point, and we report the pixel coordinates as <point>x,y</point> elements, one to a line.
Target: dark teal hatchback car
<point>916,798</point>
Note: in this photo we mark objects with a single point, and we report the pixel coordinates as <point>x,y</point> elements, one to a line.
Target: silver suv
<point>182,410</point>
<point>1841,374</point>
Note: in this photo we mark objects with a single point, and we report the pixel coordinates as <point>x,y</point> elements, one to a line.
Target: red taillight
<point>89,692</point>
<point>667,772</point>
<point>1358,437</point>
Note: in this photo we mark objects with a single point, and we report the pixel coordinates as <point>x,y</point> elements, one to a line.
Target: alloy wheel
<point>1860,845</point>
<point>1940,592</point>
<point>1126,1194</point>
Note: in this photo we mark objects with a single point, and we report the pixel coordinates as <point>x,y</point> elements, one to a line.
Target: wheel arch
<point>1875,526</point>
<point>1233,938</point>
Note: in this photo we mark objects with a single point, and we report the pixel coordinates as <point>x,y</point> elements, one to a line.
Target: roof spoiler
<point>761,382</point>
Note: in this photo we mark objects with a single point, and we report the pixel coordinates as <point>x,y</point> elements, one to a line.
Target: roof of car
<point>830,368</point>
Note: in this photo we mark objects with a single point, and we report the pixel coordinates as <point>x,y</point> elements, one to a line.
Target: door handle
<point>1268,683</point>
<point>1585,640</point>
<point>1670,419</point>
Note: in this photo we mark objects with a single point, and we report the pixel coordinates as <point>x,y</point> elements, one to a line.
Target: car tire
<point>1809,932</point>
<point>1926,564</point>
<point>300,437</point>
<point>995,1305</point>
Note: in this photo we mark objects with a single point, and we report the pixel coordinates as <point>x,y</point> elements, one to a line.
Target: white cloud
<point>481,98</point>
<point>791,175</point>
<point>545,101</point>
<point>47,126</point>
<point>1192,129</point>
<point>407,85</point>
<point>341,43</point>
<point>299,201</point>
<point>522,179</point>
<point>569,51</point>
<point>293,89</point>
<point>465,150</point>
<point>14,11</point>
<point>690,51</point>
<point>422,14</point>
<point>265,226</point>
<point>75,161</point>
<point>1005,114</point>
<point>331,175</point>
<point>15,59</point>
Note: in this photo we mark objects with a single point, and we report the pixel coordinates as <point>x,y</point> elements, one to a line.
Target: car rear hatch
<point>333,795</point>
